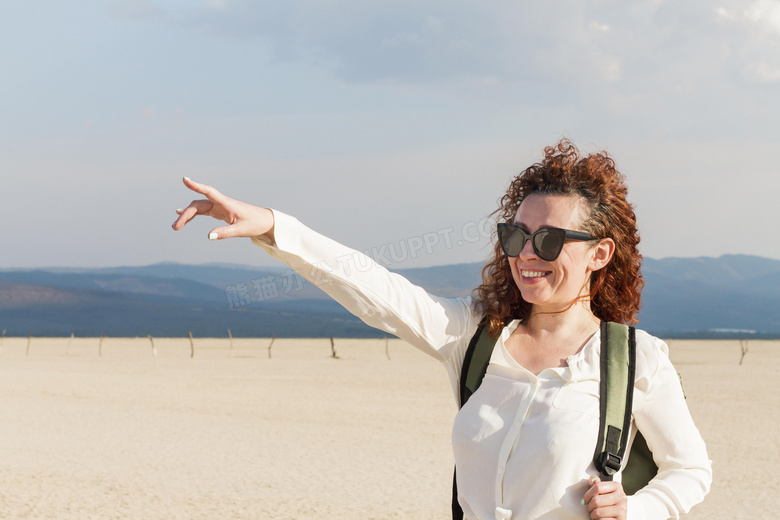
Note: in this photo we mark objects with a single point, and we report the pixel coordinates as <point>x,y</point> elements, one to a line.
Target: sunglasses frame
<point>568,234</point>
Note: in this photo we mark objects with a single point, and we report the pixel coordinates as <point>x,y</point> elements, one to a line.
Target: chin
<point>532,297</point>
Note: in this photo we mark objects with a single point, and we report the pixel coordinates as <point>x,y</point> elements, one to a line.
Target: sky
<point>393,127</point>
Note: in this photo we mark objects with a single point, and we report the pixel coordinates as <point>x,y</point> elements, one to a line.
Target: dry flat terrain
<point>110,431</point>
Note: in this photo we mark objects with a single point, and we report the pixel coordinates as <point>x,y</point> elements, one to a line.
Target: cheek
<point>515,271</point>
<point>576,272</point>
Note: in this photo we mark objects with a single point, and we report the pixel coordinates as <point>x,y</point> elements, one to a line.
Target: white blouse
<point>523,443</point>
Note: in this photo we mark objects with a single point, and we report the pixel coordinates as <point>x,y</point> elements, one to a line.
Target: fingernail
<point>179,210</point>
<point>582,501</point>
<point>592,480</point>
<point>212,236</point>
<point>187,179</point>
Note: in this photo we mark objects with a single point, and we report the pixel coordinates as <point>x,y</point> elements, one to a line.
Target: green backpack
<point>618,369</point>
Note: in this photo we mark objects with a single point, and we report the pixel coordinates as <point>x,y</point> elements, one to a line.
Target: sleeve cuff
<point>285,233</point>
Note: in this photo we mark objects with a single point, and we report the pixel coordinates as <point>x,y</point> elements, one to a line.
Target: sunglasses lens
<point>548,243</point>
<point>512,239</point>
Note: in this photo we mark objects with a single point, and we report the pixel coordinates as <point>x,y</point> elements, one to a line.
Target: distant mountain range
<point>733,295</point>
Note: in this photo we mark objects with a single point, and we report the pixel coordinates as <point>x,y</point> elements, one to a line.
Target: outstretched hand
<point>606,499</point>
<point>244,220</point>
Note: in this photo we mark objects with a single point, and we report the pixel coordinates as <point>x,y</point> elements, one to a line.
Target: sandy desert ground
<point>109,432</point>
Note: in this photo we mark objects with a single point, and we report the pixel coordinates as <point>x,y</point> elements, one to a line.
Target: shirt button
<point>500,471</point>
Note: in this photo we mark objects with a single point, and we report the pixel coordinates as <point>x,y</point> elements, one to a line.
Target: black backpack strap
<point>457,512</point>
<point>472,372</point>
<point>476,361</point>
<point>618,368</point>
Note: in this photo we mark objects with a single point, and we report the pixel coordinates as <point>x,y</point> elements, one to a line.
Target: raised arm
<point>438,326</point>
<point>244,220</point>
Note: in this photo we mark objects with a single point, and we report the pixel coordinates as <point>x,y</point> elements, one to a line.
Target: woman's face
<point>552,286</point>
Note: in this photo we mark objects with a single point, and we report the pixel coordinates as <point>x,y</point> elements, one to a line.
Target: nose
<point>527,251</point>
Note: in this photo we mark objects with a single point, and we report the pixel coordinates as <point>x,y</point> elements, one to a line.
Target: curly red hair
<point>615,289</point>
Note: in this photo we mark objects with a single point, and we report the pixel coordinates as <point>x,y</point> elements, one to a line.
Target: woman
<point>566,259</point>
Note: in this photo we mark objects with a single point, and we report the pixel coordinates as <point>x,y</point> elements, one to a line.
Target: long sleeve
<point>438,326</point>
<point>662,415</point>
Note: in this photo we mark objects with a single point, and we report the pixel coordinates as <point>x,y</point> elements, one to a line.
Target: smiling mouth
<point>534,274</point>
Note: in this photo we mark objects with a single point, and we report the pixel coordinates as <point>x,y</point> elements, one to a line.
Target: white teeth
<point>532,274</point>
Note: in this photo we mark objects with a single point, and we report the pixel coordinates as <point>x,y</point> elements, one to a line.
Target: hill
<point>683,297</point>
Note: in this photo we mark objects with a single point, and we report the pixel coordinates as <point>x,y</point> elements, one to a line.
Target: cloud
<point>401,42</point>
<point>578,43</point>
<point>764,13</point>
<point>762,72</point>
<point>757,22</point>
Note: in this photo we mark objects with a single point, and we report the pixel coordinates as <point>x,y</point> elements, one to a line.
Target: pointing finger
<point>213,194</point>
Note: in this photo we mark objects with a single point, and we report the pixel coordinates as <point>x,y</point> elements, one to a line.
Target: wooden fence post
<point>270,345</point>
<point>387,348</point>
<point>154,349</point>
<point>29,337</point>
<point>192,347</point>
<point>743,345</point>
<point>230,335</point>
<point>333,348</point>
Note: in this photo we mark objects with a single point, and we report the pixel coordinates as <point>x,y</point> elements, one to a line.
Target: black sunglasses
<point>547,242</point>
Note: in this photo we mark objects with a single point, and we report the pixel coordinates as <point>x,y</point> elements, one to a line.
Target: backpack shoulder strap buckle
<point>610,462</point>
